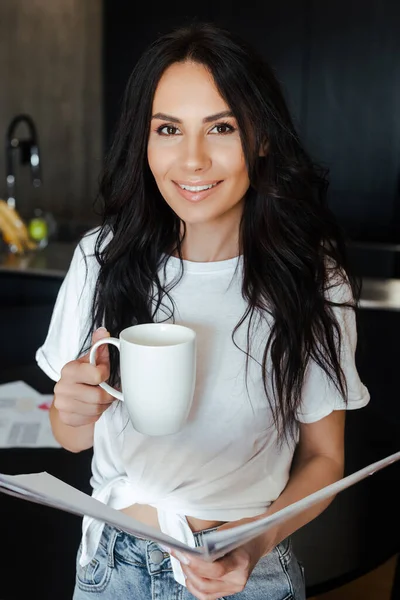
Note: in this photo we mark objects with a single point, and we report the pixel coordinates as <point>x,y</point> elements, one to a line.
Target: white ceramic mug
<point>158,375</point>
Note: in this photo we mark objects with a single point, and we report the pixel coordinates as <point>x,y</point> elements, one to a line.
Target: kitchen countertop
<point>54,260</point>
<point>51,261</point>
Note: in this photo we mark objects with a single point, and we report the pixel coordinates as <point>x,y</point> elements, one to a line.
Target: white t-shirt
<point>225,464</point>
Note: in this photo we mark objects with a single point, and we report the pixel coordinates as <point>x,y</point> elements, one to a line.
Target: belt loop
<point>111,545</point>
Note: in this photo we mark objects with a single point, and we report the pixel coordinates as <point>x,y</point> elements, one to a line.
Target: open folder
<point>45,489</point>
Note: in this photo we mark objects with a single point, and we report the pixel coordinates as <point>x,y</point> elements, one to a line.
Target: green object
<point>38,229</point>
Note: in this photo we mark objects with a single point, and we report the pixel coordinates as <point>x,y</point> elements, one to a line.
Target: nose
<point>195,156</point>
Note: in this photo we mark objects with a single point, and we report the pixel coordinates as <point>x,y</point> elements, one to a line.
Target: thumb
<point>102,354</point>
<point>99,334</point>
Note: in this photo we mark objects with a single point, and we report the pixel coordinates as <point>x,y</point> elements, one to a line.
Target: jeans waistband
<point>198,535</point>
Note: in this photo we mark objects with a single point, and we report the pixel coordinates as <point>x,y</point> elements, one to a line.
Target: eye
<point>223,128</point>
<point>167,130</point>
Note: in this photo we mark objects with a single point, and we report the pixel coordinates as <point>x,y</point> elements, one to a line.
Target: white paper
<point>219,543</point>
<point>48,490</point>
<point>24,417</point>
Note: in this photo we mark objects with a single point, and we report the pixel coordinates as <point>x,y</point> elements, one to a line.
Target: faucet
<point>29,153</point>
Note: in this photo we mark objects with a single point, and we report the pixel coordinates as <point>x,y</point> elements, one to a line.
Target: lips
<point>194,192</point>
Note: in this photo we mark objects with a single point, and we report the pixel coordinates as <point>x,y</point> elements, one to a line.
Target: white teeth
<point>196,188</point>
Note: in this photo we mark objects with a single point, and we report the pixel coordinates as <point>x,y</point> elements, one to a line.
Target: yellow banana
<point>15,232</point>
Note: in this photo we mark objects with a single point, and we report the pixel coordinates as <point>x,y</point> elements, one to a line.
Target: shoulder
<point>84,260</point>
<point>95,239</point>
<point>338,289</point>
<point>71,317</point>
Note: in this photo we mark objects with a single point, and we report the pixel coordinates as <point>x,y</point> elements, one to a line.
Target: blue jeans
<point>129,568</point>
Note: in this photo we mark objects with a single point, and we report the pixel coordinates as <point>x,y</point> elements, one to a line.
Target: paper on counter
<point>24,417</point>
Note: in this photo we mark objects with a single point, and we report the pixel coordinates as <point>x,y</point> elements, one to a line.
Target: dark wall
<point>50,69</point>
<point>339,65</point>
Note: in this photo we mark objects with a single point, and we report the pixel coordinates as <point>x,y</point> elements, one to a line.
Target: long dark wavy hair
<point>292,246</point>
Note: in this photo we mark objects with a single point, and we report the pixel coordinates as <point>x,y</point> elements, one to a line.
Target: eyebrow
<point>209,119</point>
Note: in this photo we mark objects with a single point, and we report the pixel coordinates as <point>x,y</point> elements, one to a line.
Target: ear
<point>264,149</point>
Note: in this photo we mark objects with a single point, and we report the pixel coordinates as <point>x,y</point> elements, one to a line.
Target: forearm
<point>74,439</point>
<point>307,476</point>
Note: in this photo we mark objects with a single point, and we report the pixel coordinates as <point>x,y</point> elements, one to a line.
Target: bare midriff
<point>148,515</point>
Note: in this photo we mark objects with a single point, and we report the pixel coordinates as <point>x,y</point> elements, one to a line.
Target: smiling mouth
<point>196,193</point>
<point>197,188</point>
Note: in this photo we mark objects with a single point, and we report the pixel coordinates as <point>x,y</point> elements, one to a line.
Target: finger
<point>102,354</point>
<point>77,371</point>
<point>82,403</point>
<point>231,583</point>
<point>75,420</point>
<point>209,589</point>
<point>213,570</point>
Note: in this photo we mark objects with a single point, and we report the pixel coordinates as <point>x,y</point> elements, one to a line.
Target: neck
<point>212,241</point>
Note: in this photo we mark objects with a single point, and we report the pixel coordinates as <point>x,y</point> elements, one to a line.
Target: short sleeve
<point>71,314</point>
<point>320,396</point>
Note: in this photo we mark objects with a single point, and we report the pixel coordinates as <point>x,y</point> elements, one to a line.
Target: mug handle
<point>92,359</point>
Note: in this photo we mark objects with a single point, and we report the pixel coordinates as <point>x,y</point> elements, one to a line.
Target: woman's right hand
<point>78,398</point>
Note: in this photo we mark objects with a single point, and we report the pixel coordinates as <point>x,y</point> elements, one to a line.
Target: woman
<point>214,217</point>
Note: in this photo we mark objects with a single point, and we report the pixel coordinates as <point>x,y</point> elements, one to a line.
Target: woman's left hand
<point>227,575</point>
